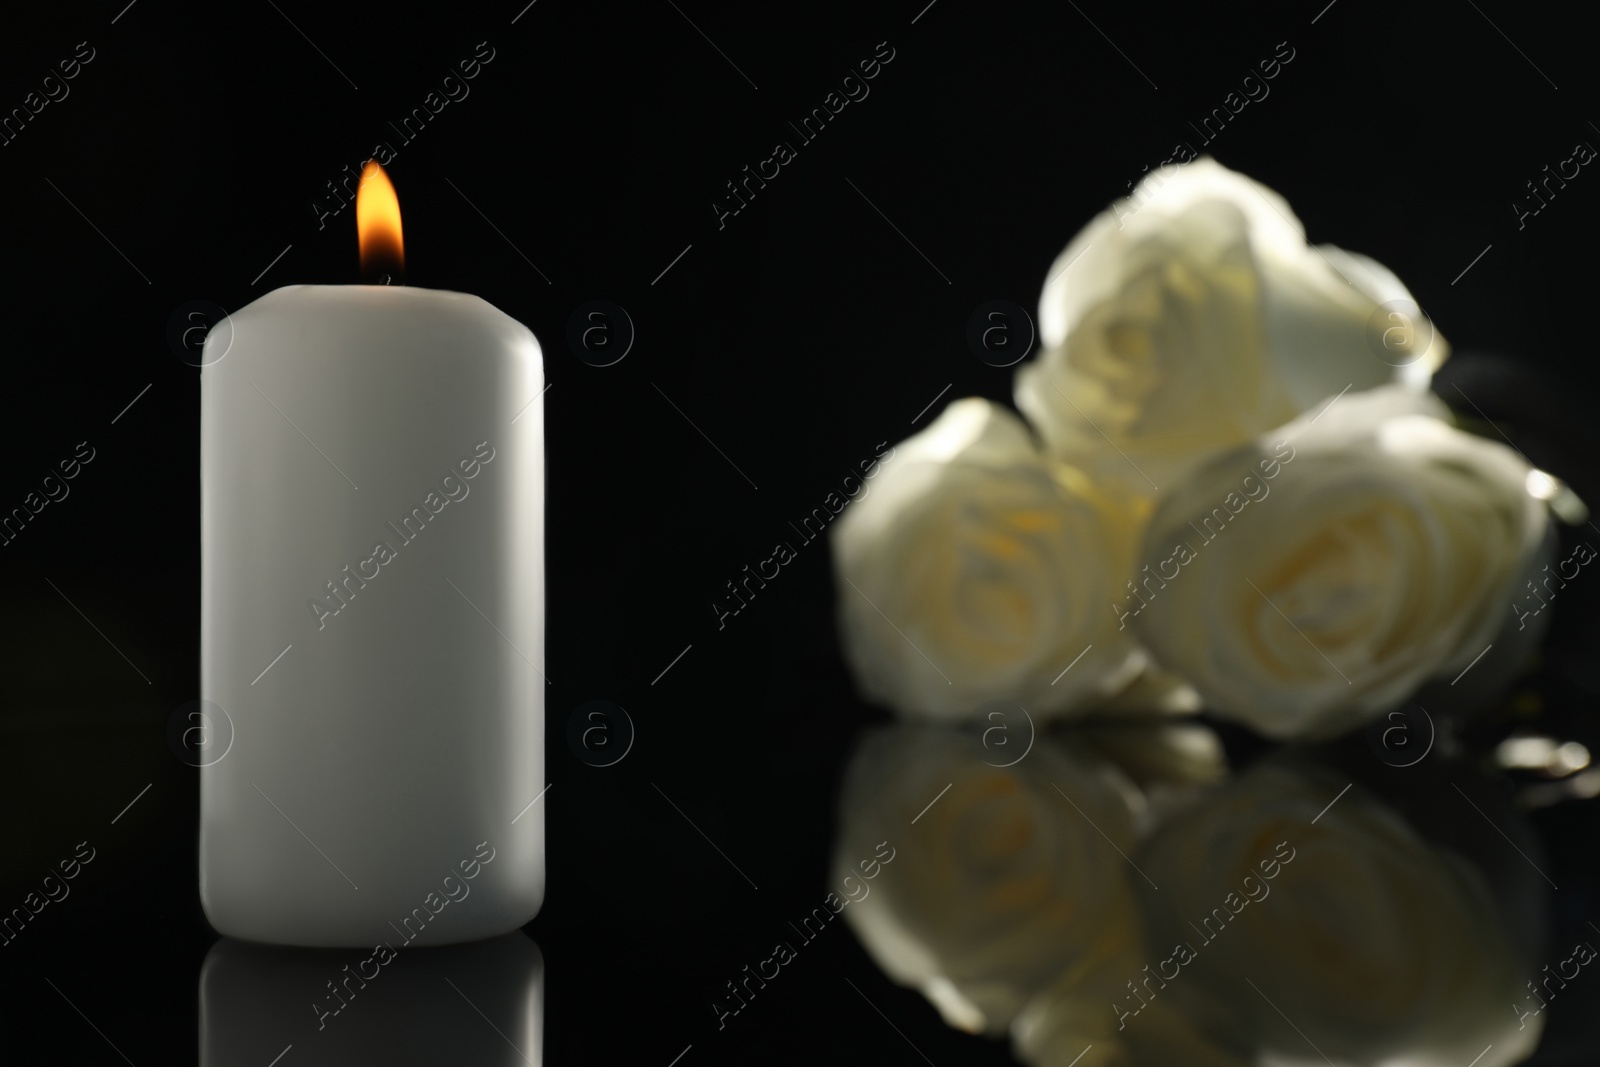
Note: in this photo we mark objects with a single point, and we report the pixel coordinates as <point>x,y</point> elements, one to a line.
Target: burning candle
<point>372,611</point>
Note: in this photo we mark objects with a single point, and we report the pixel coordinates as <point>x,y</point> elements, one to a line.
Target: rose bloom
<point>1192,316</point>
<point>1317,578</point>
<point>978,570</point>
<point>1001,882</point>
<point>1321,925</point>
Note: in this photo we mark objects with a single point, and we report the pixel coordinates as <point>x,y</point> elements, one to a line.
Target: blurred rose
<point>1192,316</point>
<point>975,571</point>
<point>1330,931</point>
<point>1000,882</point>
<point>1318,578</point>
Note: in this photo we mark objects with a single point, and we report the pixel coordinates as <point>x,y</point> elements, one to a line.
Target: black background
<point>797,338</point>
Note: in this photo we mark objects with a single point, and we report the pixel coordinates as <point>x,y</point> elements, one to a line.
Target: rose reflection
<point>1115,899</point>
<point>480,1003</point>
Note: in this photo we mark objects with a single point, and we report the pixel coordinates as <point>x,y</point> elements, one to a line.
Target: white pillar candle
<point>372,618</point>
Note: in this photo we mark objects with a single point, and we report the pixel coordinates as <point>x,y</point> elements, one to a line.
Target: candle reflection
<point>479,1003</point>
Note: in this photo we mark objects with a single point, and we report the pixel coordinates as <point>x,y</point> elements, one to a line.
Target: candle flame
<point>378,224</point>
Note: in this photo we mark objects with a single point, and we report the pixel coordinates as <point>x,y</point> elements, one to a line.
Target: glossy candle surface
<point>372,618</point>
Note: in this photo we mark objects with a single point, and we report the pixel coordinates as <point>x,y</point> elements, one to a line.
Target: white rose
<point>1317,579</point>
<point>1002,877</point>
<point>974,570</point>
<point>1192,316</point>
<point>1328,931</point>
